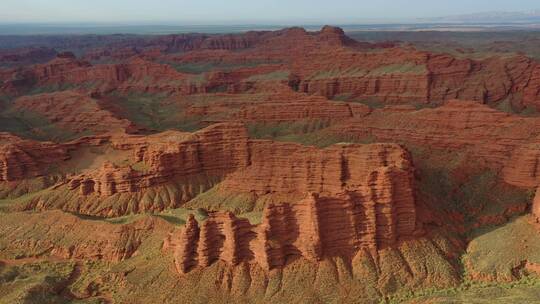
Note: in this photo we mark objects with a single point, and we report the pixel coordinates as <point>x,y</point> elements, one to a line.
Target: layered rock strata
<point>214,151</point>
<point>298,110</point>
<point>20,159</point>
<point>364,200</point>
<point>73,112</point>
<point>496,139</point>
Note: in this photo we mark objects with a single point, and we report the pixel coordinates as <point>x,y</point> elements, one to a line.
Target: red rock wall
<point>434,79</point>
<point>20,159</point>
<point>352,197</point>
<point>294,110</point>
<point>391,88</point>
<point>136,73</point>
<point>313,228</point>
<point>523,167</point>
<point>535,210</point>
<point>214,151</point>
<point>493,137</point>
<point>296,169</point>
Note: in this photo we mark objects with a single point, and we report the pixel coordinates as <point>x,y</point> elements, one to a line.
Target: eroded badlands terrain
<point>286,167</point>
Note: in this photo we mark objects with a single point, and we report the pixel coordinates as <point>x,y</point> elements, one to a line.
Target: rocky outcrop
<point>168,169</point>
<point>20,159</point>
<point>256,166</point>
<point>215,151</point>
<point>73,112</point>
<point>535,210</point>
<point>314,228</point>
<point>364,199</point>
<point>494,138</point>
<point>135,74</point>
<point>301,110</point>
<point>522,169</point>
<point>400,75</point>
<point>294,169</point>
<point>531,89</point>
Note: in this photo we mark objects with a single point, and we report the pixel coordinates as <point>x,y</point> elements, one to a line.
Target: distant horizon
<point>134,29</point>
<point>242,12</point>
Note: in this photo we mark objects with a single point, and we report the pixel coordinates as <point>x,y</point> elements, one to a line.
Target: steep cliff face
<point>407,75</point>
<point>531,88</point>
<point>290,168</point>
<point>522,169</point>
<point>215,151</point>
<point>314,228</point>
<point>496,138</point>
<point>535,210</point>
<point>299,109</point>
<point>350,198</point>
<point>488,80</point>
<point>20,159</point>
<point>168,169</point>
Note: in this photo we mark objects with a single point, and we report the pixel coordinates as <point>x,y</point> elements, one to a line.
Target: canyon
<point>265,166</point>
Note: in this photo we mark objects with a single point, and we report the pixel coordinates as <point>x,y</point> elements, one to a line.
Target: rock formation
<point>73,112</point>
<point>20,159</point>
<point>326,62</point>
<point>498,139</point>
<point>215,151</point>
<point>535,210</point>
<point>354,197</point>
<point>299,110</point>
<point>135,74</point>
<point>276,221</point>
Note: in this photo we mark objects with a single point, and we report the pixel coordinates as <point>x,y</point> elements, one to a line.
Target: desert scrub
<point>272,76</point>
<point>36,282</point>
<point>217,200</point>
<point>272,130</point>
<point>156,112</point>
<point>208,66</point>
<point>498,254</point>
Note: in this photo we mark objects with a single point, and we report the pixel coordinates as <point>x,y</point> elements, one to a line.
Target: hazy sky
<point>245,11</point>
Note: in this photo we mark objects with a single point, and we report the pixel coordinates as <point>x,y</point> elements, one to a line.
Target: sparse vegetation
<point>400,69</point>
<point>207,66</point>
<point>37,282</point>
<point>306,132</point>
<point>156,112</point>
<point>29,124</point>
<point>272,76</point>
<point>215,200</point>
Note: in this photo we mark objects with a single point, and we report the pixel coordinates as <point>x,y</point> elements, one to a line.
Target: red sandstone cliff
<point>325,62</point>
<point>500,140</point>
<point>215,151</point>
<point>20,159</point>
<point>349,198</point>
